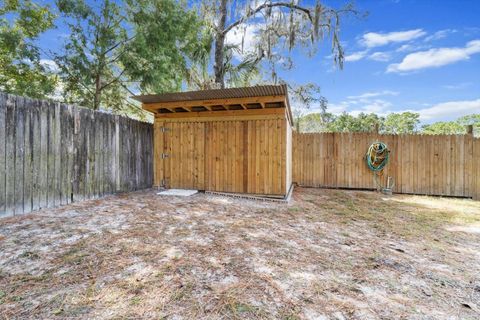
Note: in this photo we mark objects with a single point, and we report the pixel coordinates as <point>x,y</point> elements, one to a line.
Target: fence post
<point>470,129</point>
<point>475,179</point>
<point>117,155</point>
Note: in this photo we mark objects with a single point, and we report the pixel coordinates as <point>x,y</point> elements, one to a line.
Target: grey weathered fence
<point>53,154</point>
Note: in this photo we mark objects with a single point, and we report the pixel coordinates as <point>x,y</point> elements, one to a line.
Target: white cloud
<point>440,34</point>
<point>367,95</point>
<point>247,35</point>
<point>355,56</point>
<point>377,106</point>
<point>380,56</point>
<point>367,102</point>
<point>373,39</point>
<point>458,86</point>
<point>405,48</point>
<point>337,108</point>
<point>435,57</point>
<point>50,65</point>
<point>449,110</point>
<point>359,55</point>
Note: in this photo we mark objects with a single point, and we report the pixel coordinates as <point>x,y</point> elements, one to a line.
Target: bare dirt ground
<point>329,254</point>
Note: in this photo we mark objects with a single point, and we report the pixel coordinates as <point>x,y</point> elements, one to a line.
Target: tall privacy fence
<point>447,165</point>
<point>53,154</point>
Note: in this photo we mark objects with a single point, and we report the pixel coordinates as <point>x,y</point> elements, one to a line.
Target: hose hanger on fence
<point>377,158</point>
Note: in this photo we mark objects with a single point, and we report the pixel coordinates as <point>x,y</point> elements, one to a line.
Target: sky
<point>405,55</point>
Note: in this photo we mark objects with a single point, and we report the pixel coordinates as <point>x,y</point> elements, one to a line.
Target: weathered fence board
<point>53,154</point>
<point>447,165</point>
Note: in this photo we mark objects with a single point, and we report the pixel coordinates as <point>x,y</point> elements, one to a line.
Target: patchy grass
<point>329,254</point>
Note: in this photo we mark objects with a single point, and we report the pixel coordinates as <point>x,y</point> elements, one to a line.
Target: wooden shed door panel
<point>246,156</point>
<point>226,156</point>
<point>184,161</point>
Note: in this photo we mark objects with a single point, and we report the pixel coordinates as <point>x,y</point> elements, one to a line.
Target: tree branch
<point>118,44</point>
<point>115,79</point>
<point>265,6</point>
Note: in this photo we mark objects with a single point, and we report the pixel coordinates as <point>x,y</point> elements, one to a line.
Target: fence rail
<point>53,154</point>
<point>447,165</point>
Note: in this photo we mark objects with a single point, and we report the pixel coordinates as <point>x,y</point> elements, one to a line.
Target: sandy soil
<point>329,254</point>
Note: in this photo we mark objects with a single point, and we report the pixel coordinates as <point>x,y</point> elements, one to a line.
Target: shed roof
<point>247,101</point>
<point>229,93</point>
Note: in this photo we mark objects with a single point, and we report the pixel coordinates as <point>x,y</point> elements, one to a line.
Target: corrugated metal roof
<point>230,93</point>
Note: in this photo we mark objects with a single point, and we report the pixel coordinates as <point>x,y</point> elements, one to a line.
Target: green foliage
<point>168,37</point>
<point>125,47</point>
<point>89,65</point>
<point>400,123</point>
<point>305,97</point>
<point>454,127</point>
<point>21,71</point>
<point>395,123</point>
<point>362,123</point>
<point>450,127</point>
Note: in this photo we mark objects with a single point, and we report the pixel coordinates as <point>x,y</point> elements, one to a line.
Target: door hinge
<point>165,155</point>
<point>164,129</point>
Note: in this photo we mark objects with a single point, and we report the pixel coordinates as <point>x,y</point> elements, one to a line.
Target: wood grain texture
<point>226,155</point>
<point>420,164</point>
<point>52,154</point>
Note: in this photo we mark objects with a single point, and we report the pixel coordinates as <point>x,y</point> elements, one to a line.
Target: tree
<point>285,25</point>
<point>362,123</point>
<point>303,98</point>
<point>89,65</point>
<point>457,126</point>
<point>169,39</point>
<point>312,122</point>
<point>400,123</point>
<point>125,47</point>
<point>443,127</point>
<point>21,69</point>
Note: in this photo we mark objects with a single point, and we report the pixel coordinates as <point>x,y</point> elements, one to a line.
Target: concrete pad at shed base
<point>178,192</point>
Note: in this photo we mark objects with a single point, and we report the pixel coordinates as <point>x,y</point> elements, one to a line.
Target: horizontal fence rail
<point>447,165</point>
<point>53,154</point>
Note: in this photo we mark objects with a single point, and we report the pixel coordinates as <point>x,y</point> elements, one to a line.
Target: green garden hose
<point>377,156</point>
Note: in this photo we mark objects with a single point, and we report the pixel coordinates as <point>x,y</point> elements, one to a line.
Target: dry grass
<point>329,254</point>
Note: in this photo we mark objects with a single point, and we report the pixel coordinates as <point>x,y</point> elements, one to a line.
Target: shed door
<point>184,155</point>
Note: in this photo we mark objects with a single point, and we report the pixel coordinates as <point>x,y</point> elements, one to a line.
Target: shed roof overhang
<point>255,101</point>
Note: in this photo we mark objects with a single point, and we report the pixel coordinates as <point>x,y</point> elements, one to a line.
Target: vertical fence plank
<point>28,163</point>
<point>476,170</point>
<point>53,154</point>
<point>19,154</point>
<point>420,164</point>
<point>35,117</point>
<point>10,155</point>
<point>3,171</point>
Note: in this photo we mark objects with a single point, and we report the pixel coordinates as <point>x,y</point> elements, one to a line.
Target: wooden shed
<point>236,140</point>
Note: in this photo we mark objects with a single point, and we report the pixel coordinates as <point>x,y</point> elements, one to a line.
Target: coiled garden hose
<point>377,158</point>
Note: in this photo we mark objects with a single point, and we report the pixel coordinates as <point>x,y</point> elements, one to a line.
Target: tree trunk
<point>219,44</point>
<point>96,98</point>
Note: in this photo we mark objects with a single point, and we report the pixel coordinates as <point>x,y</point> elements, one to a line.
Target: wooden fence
<point>53,154</point>
<point>447,165</point>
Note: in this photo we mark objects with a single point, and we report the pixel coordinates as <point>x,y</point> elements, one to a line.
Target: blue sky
<point>406,55</point>
<point>421,56</point>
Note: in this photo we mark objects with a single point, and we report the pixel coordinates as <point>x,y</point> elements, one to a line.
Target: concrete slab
<point>178,192</point>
